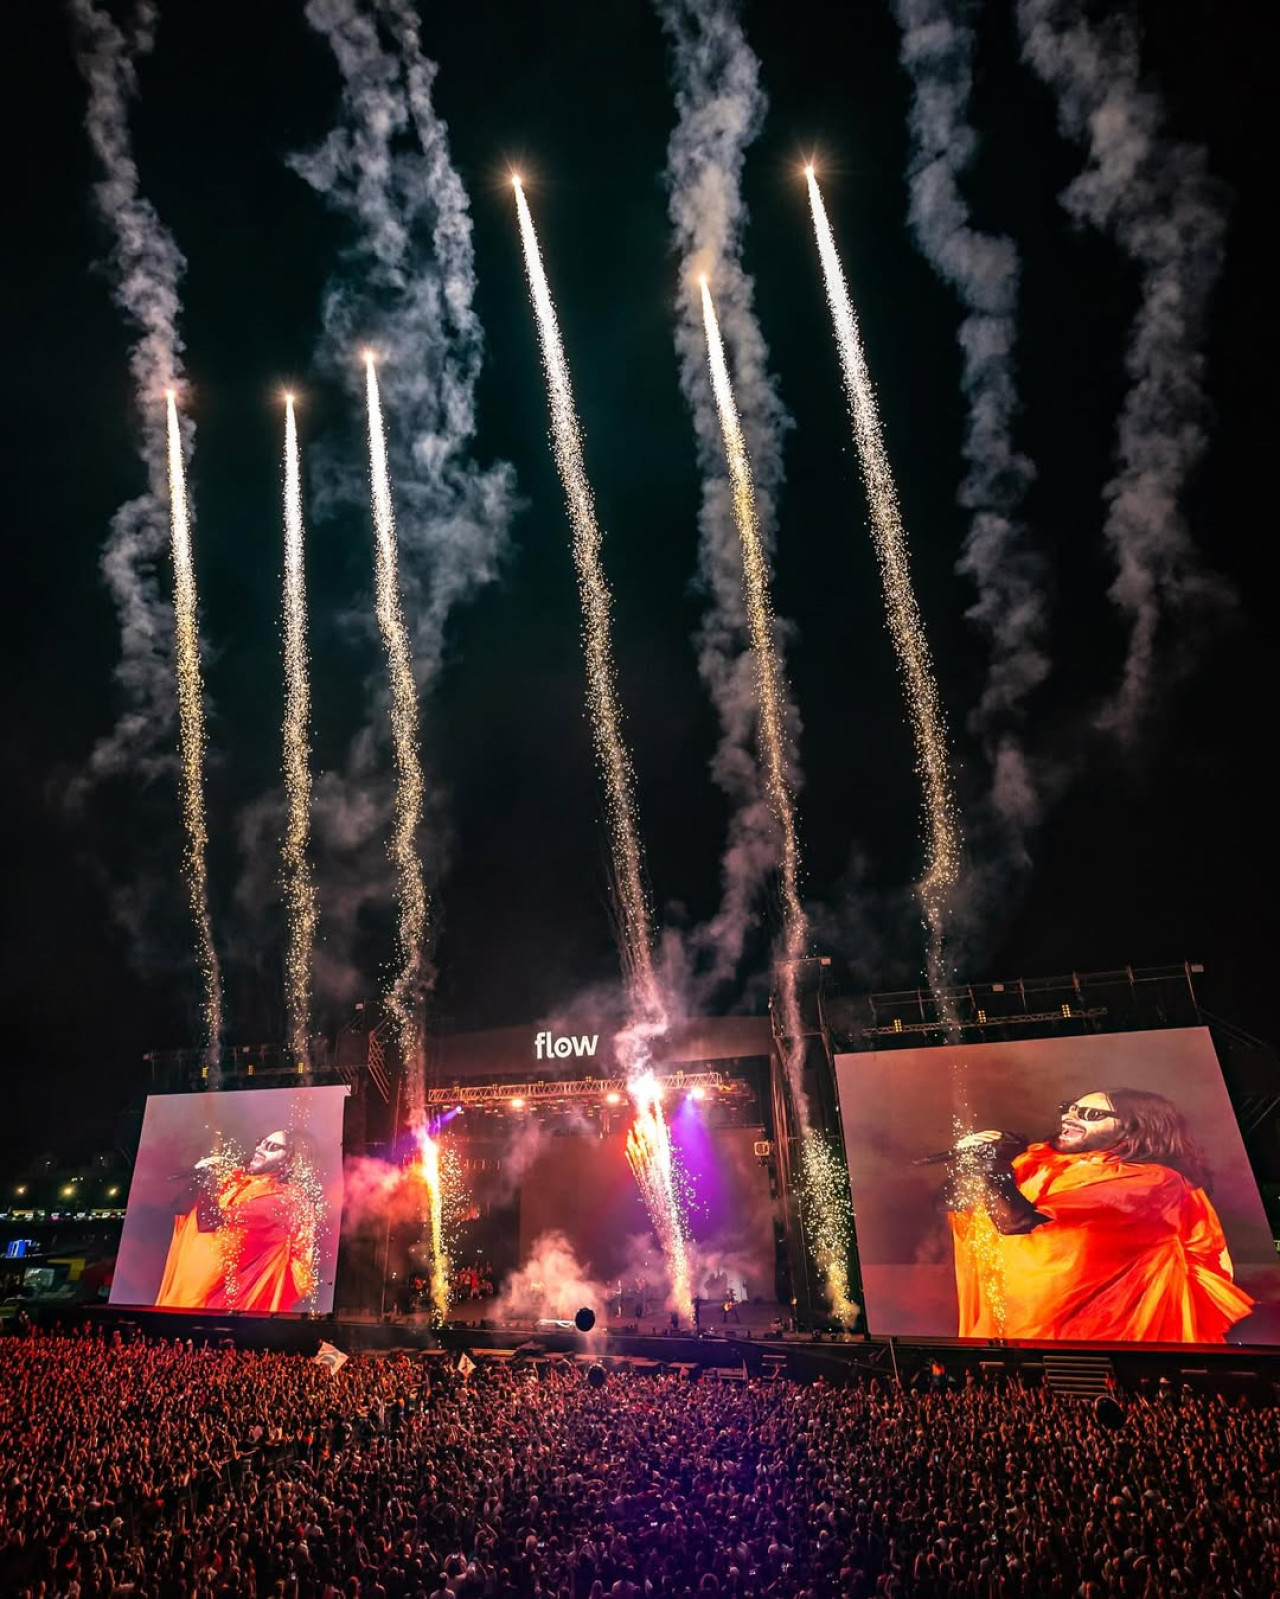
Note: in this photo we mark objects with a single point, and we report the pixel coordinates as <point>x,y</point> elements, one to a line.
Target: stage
<point>757,1318</point>
<point>717,1352</point>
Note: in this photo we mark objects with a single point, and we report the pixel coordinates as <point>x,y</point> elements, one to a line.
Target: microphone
<point>1004,1144</point>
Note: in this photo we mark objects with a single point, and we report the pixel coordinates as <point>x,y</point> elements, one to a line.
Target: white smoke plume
<point>406,290</point>
<point>720,110</point>
<point>145,267</point>
<point>937,51</point>
<point>350,810</point>
<point>551,1283</point>
<point>1157,198</point>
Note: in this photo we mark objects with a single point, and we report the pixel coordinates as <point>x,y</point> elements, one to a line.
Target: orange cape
<point>1128,1252</point>
<point>259,1256</point>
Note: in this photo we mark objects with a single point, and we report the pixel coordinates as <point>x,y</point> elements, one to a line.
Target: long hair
<point>301,1159</point>
<point>1154,1132</point>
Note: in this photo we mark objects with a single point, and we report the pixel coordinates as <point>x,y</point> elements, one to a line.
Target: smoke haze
<point>145,268</point>
<point>405,290</point>
<point>1156,197</point>
<point>937,51</point>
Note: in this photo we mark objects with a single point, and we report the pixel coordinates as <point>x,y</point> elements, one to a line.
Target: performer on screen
<point>250,1240</point>
<point>1105,1232</point>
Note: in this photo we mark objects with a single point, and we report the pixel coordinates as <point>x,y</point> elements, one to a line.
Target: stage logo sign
<point>549,1046</point>
<point>235,1203</point>
<point>1089,1188</point>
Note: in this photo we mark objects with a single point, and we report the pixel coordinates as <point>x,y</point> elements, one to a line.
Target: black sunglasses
<point>1085,1113</point>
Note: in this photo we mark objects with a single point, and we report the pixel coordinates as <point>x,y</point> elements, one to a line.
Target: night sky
<point>1146,855</point>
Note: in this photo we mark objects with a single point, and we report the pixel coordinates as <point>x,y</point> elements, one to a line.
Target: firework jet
<point>942,843</point>
<point>411,896</point>
<point>602,692</point>
<point>770,689</point>
<point>299,890</point>
<point>942,848</point>
<point>191,738</point>
<point>648,1016</point>
<point>829,1236</point>
<point>429,1169</point>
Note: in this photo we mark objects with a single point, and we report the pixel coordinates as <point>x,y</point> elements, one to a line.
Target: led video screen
<point>1089,1188</point>
<point>235,1203</point>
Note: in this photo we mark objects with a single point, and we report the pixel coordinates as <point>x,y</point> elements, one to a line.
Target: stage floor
<point>760,1318</point>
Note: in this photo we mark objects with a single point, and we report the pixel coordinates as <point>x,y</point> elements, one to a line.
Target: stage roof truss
<point>576,1091</point>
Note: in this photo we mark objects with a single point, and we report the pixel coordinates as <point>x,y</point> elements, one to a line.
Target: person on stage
<point>1105,1232</point>
<point>250,1240</point>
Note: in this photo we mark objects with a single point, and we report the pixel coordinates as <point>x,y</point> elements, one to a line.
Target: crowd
<point>158,1469</point>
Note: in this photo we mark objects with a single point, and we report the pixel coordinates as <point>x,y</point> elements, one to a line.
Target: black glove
<point>980,1176</point>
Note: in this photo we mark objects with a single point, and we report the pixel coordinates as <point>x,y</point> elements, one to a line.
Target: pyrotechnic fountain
<point>411,896</point>
<point>647,1020</point>
<point>403,997</point>
<point>827,1223</point>
<point>186,656</point>
<point>299,888</point>
<point>429,1169</point>
<point>942,841</point>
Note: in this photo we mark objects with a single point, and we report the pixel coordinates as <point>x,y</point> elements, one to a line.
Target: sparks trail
<point>191,737</point>
<point>942,843</point>
<point>770,691</point>
<point>403,998</point>
<point>829,1236</point>
<point>648,1016</point>
<point>593,590</point>
<point>942,850</point>
<point>299,888</point>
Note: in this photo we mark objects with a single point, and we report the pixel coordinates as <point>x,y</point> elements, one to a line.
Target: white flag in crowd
<point>333,1358</point>
<point>465,1364</point>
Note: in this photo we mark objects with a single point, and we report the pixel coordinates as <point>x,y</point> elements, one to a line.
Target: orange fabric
<point>1129,1252</point>
<point>259,1257</point>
